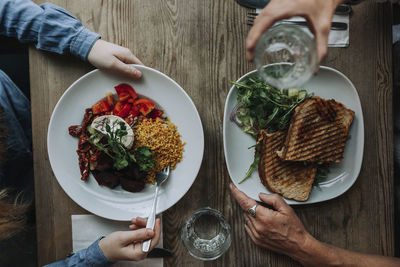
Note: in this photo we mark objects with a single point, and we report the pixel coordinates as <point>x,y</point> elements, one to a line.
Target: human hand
<point>114,58</point>
<point>318,14</point>
<point>127,245</point>
<point>279,230</point>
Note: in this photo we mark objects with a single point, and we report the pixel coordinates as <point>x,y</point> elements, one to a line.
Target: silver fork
<point>337,26</point>
<point>160,178</point>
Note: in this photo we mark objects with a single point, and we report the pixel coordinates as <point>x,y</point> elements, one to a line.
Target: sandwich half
<point>293,180</point>
<point>318,131</point>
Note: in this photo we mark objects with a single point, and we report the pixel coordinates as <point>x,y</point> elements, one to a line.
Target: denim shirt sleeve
<point>92,256</point>
<point>48,27</point>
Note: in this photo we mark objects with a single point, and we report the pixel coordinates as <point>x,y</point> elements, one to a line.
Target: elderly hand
<point>279,230</point>
<point>318,14</point>
<point>127,245</point>
<point>114,58</point>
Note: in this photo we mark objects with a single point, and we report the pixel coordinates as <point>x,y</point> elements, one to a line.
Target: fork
<point>338,26</point>
<point>160,178</point>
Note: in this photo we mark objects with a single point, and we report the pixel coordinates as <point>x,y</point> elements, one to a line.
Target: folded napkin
<point>88,228</point>
<point>336,38</point>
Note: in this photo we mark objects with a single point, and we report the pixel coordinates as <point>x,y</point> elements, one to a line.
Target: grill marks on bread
<point>292,180</point>
<point>318,131</point>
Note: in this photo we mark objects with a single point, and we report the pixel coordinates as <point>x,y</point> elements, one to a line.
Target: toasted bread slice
<point>292,180</point>
<point>318,131</point>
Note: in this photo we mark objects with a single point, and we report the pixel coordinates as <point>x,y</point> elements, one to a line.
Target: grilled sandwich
<point>293,180</point>
<point>318,132</point>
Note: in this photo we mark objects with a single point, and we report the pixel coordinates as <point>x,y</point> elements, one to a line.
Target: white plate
<point>118,204</point>
<point>329,83</point>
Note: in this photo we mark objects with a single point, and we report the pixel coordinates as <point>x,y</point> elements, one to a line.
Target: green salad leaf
<point>263,106</point>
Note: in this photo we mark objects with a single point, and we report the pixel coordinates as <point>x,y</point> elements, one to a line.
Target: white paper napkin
<point>336,38</point>
<point>88,228</point>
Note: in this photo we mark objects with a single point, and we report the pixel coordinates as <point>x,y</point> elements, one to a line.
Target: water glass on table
<point>206,234</point>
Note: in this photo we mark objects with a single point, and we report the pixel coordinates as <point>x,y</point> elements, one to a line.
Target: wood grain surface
<point>200,44</point>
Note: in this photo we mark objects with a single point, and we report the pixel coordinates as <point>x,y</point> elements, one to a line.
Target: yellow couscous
<point>163,139</point>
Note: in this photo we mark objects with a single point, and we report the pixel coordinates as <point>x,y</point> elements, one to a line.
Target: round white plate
<point>118,204</point>
<point>329,83</point>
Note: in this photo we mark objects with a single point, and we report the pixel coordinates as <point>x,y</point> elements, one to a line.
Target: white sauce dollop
<point>99,124</point>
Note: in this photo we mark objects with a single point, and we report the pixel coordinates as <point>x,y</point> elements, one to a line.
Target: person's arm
<point>280,230</point>
<point>48,27</point>
<point>117,246</point>
<point>91,256</point>
<point>316,253</point>
<point>52,28</point>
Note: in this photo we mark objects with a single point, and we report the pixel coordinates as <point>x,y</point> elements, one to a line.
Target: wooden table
<point>200,44</point>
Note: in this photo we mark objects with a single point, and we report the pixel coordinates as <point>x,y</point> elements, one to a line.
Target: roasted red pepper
<point>134,111</point>
<point>145,106</point>
<point>101,106</point>
<point>124,97</point>
<point>117,108</point>
<point>125,110</point>
<point>156,113</point>
<point>96,108</point>
<point>125,88</point>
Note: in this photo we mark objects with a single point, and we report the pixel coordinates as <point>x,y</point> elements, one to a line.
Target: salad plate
<point>239,146</point>
<point>118,204</point>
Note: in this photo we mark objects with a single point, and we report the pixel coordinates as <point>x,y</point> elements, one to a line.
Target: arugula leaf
<point>253,165</point>
<point>263,106</point>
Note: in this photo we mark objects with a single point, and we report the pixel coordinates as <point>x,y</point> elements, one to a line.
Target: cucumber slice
<point>293,92</point>
<point>91,130</point>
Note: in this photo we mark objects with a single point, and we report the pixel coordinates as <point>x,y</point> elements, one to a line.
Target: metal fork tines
<point>337,26</point>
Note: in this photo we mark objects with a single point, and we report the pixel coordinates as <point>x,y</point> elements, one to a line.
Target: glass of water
<point>206,234</point>
<point>286,56</point>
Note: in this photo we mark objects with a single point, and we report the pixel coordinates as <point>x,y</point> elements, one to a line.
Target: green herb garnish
<point>253,166</point>
<point>115,149</point>
<point>144,158</point>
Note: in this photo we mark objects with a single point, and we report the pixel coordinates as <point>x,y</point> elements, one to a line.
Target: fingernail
<point>263,194</point>
<point>137,73</point>
<point>231,186</point>
<point>149,232</point>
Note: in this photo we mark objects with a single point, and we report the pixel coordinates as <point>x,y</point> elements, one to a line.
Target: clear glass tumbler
<point>206,234</point>
<point>286,56</point>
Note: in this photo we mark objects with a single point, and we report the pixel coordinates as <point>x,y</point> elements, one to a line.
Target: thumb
<point>125,69</point>
<point>128,237</point>
<point>275,201</point>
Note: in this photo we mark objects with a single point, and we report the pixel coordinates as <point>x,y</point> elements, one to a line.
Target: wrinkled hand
<point>279,230</point>
<point>127,245</point>
<point>318,14</point>
<point>114,58</point>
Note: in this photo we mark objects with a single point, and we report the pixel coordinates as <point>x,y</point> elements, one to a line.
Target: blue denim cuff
<point>83,42</point>
<point>95,256</point>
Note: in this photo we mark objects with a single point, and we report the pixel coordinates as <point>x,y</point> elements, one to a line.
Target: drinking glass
<point>206,234</point>
<point>286,56</point>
